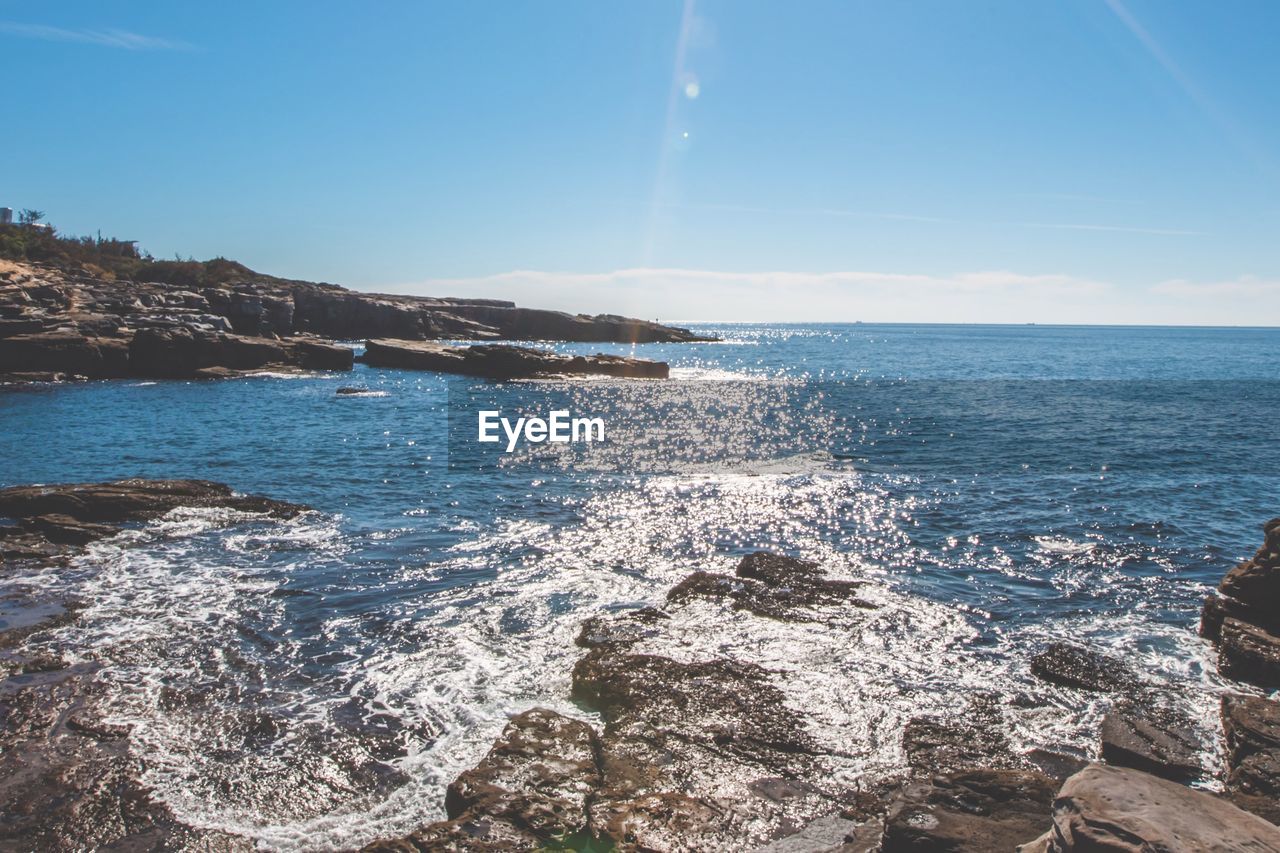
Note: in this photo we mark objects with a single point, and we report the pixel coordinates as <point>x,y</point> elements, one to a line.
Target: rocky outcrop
<point>181,354</point>
<point>124,501</point>
<point>498,361</point>
<point>1252,726</point>
<point>1243,619</point>
<point>693,755</point>
<point>67,322</point>
<point>65,351</point>
<point>1118,809</point>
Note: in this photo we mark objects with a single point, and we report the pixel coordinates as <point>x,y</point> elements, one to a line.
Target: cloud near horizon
<point>993,296</point>
<point>122,39</point>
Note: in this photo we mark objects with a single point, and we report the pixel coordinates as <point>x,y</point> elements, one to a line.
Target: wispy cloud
<point>990,296</point>
<point>1244,286</point>
<point>788,295</point>
<point>941,220</point>
<point>121,39</point>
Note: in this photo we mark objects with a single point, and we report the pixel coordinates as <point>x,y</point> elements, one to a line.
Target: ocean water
<point>317,682</point>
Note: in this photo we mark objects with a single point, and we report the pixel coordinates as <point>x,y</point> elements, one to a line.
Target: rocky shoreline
<point>681,753</point>
<point>60,324</point>
<point>708,756</point>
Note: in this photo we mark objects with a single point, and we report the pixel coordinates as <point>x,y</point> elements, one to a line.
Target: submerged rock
<point>501,361</point>
<point>1121,809</point>
<point>1075,666</point>
<point>771,585</point>
<point>973,739</point>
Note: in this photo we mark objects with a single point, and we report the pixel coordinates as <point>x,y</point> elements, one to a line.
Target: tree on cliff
<point>30,217</point>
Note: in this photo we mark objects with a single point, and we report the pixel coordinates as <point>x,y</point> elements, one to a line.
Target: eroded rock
<point>1243,619</point>
<point>1104,808</point>
<point>1252,726</point>
<point>974,811</point>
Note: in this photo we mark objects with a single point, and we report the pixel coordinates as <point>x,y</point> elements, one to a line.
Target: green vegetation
<point>109,258</point>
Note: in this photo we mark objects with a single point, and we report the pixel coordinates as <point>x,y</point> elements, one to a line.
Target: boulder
<point>500,361</point>
<point>975,811</point>
<point>1075,666</point>
<point>1104,808</point>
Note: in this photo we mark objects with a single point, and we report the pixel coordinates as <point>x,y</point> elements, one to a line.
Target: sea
<point>316,683</point>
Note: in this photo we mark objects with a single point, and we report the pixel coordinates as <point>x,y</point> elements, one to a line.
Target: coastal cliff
<point>219,318</point>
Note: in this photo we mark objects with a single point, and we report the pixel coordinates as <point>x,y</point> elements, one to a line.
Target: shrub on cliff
<point>110,258</point>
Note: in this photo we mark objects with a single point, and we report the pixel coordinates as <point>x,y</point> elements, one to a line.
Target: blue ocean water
<point>1002,485</point>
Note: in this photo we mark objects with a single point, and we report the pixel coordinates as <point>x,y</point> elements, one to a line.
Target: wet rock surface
<point>969,812</point>
<point>61,323</point>
<point>1071,665</point>
<point>500,361</point>
<point>90,508</point>
<point>772,586</point>
<point>1144,735</point>
<point>974,739</point>
<point>1243,619</point>
<point>1120,809</point>
<point>533,788</point>
<point>68,779</point>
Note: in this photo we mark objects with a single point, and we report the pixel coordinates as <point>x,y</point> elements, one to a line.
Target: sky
<point>1078,161</point>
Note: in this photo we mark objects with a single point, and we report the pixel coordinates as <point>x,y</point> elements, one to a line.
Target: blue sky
<point>1090,161</point>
